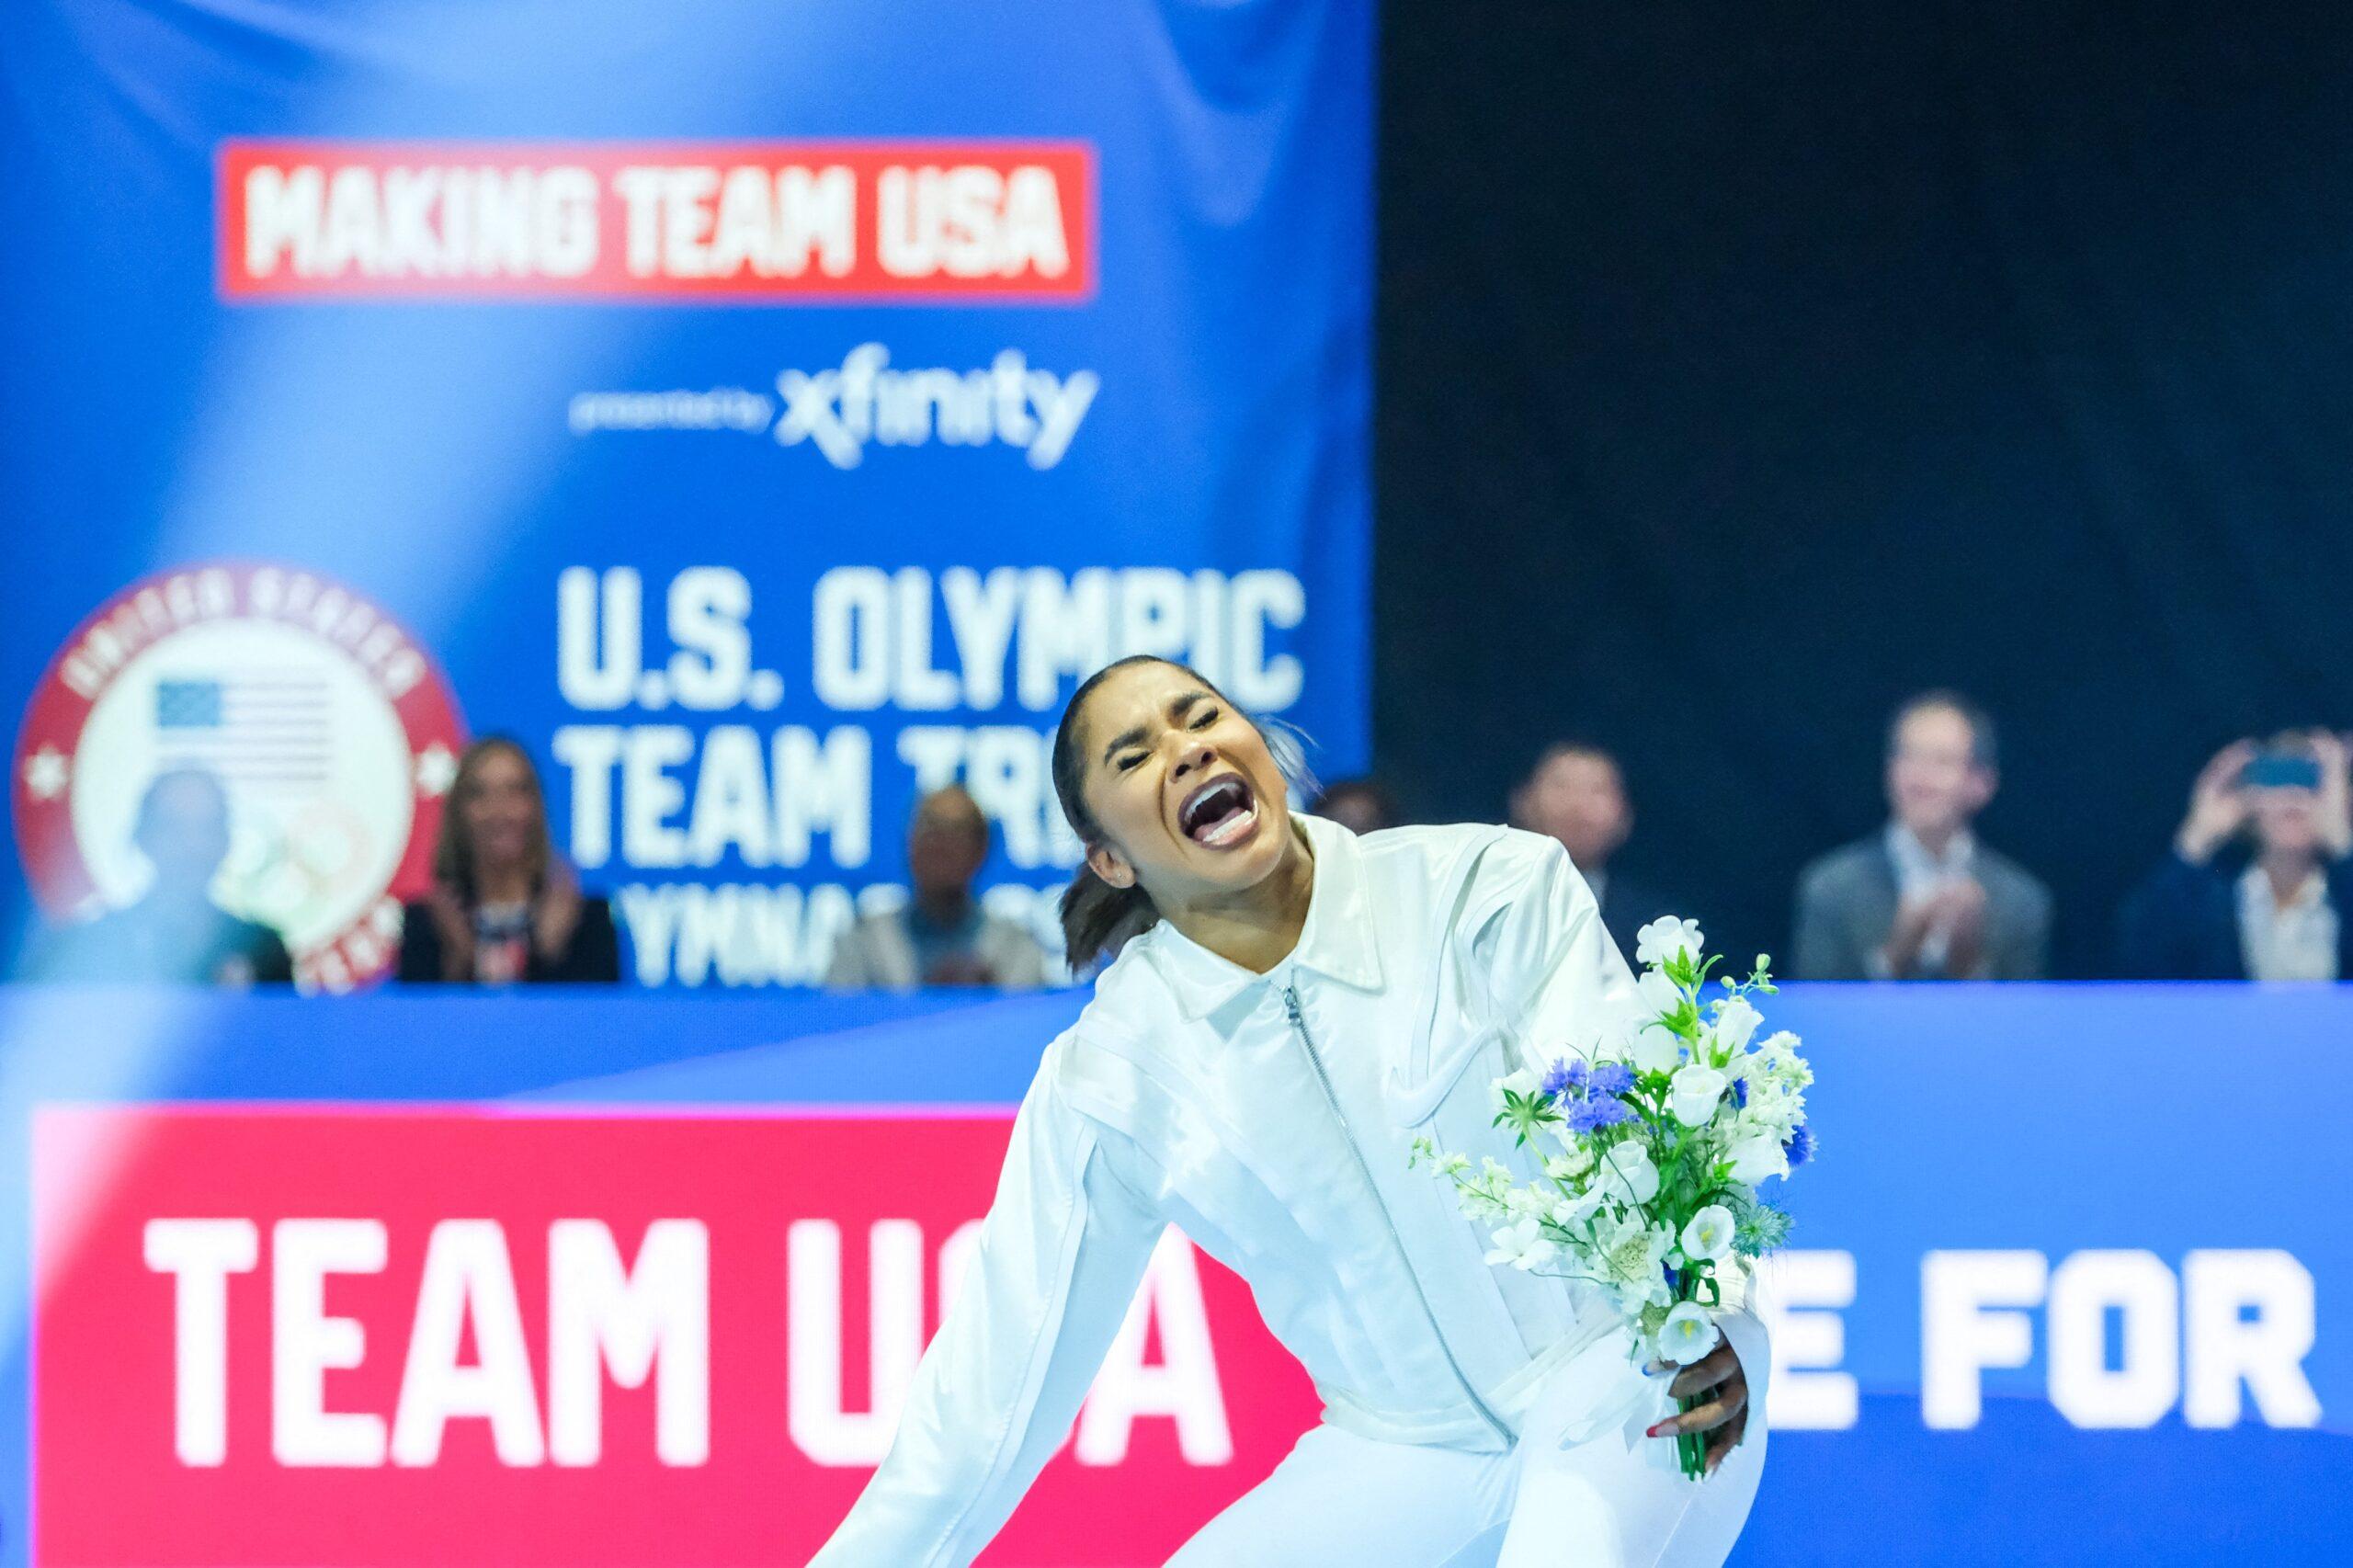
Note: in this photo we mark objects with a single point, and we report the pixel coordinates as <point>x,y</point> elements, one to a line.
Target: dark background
<point>1745,368</point>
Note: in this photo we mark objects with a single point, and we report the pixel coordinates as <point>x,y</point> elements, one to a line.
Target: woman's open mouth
<point>1220,813</point>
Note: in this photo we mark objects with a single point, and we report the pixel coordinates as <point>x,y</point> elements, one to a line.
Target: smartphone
<point>2282,770</point>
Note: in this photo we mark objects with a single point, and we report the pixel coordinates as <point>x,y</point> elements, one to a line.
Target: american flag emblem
<point>188,704</point>
<point>268,727</point>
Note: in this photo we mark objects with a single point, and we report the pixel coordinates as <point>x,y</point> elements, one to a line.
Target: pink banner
<point>335,1335</point>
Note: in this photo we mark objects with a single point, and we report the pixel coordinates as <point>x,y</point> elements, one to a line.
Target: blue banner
<point>762,412</point>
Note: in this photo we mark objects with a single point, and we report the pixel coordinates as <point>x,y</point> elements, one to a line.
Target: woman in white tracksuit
<point>1293,1005</point>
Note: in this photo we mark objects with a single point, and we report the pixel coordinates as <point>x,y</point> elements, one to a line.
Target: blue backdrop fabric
<point>1162,446</point>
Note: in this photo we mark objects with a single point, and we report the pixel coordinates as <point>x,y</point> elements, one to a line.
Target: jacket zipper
<point>1299,1023</point>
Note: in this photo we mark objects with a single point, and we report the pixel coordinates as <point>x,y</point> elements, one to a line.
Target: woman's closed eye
<point>1208,716</point>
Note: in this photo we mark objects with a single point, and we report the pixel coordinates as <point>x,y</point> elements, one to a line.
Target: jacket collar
<point>1915,866</point>
<point>1338,941</point>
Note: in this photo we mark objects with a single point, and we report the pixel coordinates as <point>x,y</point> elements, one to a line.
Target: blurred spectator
<point>1576,793</point>
<point>2281,908</point>
<point>1922,899</point>
<point>505,907</point>
<point>1360,805</point>
<point>174,932</point>
<point>941,936</point>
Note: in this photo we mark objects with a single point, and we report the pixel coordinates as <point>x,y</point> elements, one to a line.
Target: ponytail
<point>1098,917</point>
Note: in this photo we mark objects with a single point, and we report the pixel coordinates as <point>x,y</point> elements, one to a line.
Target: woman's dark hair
<point>453,852</point>
<point>1096,917</point>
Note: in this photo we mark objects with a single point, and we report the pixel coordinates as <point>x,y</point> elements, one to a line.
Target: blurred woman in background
<point>505,907</point>
<point>2259,884</point>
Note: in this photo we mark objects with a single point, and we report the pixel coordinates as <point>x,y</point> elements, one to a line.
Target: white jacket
<point>1269,1117</point>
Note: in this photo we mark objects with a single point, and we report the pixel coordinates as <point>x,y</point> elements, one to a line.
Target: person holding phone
<point>2259,884</point>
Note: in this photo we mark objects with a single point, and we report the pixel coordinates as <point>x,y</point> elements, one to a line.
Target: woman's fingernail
<point>1653,1431</point>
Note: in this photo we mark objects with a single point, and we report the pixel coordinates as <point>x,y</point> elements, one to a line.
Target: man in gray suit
<point>1922,899</point>
<point>941,936</point>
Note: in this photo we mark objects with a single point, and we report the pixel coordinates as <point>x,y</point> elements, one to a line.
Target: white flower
<point>1570,1212</point>
<point>1695,1093</point>
<point>1756,1157</point>
<point>1569,1166</point>
<point>1633,1258</point>
<point>1708,1235</point>
<point>1687,1335</point>
<point>1774,1103</point>
<point>1527,1203</point>
<point>1775,1109</point>
<point>1665,937</point>
<point>1628,1172</point>
<point>1656,1049</point>
<point>1780,1057</point>
<point>1523,1246</point>
<point>1659,993</point>
<point>1482,1195</point>
<point>1737,1022</point>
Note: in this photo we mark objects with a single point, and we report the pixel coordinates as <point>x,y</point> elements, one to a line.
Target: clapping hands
<point>1955,908</point>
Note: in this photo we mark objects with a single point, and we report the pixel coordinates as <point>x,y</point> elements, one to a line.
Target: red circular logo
<point>333,735</point>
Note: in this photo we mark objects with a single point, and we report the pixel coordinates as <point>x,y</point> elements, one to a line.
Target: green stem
<point>1691,1447</point>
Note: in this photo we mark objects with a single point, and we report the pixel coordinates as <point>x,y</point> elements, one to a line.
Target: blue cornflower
<point>1673,1280</point>
<point>1798,1146</point>
<point>1740,1093</point>
<point>1563,1077</point>
<point>1612,1078</point>
<point>1600,1111</point>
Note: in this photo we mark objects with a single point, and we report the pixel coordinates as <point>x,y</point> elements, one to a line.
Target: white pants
<point>1342,1501</point>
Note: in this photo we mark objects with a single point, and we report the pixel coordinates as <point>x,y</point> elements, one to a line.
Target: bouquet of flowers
<point>1652,1149</point>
